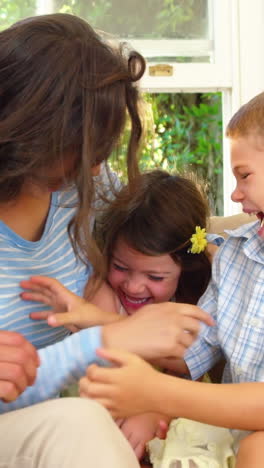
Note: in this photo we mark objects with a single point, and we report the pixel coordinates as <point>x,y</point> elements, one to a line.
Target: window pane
<point>178,19</point>
<point>184,133</point>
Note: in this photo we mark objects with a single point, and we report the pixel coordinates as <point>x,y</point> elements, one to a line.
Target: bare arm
<point>105,298</point>
<point>239,406</point>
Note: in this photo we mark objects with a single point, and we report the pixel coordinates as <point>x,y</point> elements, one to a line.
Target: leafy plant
<point>184,132</point>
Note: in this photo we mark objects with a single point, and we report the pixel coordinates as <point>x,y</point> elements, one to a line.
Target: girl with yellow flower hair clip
<point>148,237</point>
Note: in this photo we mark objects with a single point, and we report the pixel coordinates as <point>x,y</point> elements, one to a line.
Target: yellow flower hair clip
<point>198,240</point>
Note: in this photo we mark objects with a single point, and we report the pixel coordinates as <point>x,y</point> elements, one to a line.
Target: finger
<point>98,390</point>
<point>12,372</point>
<point>199,314</point>
<point>186,339</point>
<point>17,341</point>
<point>20,356</point>
<point>36,297</point>
<point>35,288</point>
<point>190,325</point>
<point>8,391</point>
<point>42,315</point>
<point>117,357</point>
<point>179,351</point>
<point>50,284</point>
<point>162,430</point>
<point>65,318</point>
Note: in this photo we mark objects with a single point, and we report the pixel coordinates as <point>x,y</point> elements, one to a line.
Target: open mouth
<point>130,302</point>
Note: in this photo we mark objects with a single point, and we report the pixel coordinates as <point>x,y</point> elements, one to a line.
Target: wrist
<point>111,334</point>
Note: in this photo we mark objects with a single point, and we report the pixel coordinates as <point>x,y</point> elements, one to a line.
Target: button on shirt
<point>235,299</point>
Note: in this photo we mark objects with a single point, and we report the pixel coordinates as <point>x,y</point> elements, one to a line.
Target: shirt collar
<point>252,243</point>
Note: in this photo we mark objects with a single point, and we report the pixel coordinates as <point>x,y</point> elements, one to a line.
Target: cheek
<point>115,278</point>
<point>163,292</point>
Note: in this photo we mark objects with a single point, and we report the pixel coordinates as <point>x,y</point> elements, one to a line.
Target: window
<point>191,46</point>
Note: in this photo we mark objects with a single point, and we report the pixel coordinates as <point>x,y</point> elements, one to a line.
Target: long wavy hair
<point>65,92</point>
<point>159,217</point>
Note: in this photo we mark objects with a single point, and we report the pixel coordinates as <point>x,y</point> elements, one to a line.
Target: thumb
<point>66,318</point>
<point>117,357</point>
<point>162,429</point>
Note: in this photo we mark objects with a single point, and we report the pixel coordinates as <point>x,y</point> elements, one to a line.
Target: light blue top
<point>235,299</point>
<point>61,361</point>
<point>61,364</point>
<point>51,256</point>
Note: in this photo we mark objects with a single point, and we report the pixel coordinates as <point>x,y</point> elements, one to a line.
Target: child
<point>147,237</point>
<point>234,298</point>
<point>65,97</point>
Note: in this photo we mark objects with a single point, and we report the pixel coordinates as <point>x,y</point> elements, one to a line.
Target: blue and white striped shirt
<point>61,361</point>
<point>52,256</point>
<point>235,299</point>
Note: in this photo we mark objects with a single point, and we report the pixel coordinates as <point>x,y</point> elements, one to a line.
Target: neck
<point>27,214</point>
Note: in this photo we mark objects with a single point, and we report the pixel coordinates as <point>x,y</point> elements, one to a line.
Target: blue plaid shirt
<point>235,299</point>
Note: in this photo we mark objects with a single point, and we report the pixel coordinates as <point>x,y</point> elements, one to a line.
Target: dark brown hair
<point>248,119</point>
<point>64,93</point>
<point>159,217</point>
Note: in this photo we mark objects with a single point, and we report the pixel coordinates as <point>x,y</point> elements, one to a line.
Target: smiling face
<point>140,279</point>
<point>247,160</point>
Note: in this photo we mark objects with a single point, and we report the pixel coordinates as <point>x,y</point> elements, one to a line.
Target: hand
<point>18,365</point>
<point>157,330</point>
<point>125,390</point>
<point>140,429</point>
<point>67,309</point>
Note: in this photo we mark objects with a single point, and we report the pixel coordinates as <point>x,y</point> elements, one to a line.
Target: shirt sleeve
<point>61,364</point>
<point>206,350</point>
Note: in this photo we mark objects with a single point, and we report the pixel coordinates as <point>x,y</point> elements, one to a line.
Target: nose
<point>237,196</point>
<point>134,286</point>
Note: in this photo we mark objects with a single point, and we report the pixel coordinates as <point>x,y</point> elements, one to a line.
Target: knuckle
<point>23,355</point>
<point>18,372</point>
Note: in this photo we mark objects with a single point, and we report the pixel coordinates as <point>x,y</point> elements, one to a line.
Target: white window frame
<point>235,43</point>
<point>237,70</point>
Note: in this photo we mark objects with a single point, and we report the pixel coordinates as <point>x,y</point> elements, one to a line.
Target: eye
<point>244,176</point>
<point>119,267</point>
<point>156,278</point>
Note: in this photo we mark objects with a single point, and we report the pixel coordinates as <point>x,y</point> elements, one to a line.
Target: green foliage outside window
<point>184,132</point>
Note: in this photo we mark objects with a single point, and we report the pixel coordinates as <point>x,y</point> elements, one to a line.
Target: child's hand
<point>157,330</point>
<point>67,309</point>
<point>140,429</point>
<point>124,390</point>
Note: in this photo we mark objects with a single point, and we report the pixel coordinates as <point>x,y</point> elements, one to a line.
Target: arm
<point>61,364</point>
<point>160,333</point>
<point>238,406</point>
<point>105,297</point>
<point>18,365</point>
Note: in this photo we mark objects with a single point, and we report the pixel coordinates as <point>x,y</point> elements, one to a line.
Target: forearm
<point>61,364</point>
<point>238,406</point>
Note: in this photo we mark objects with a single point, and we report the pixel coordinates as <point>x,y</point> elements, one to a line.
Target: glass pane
<point>184,133</point>
<point>178,19</point>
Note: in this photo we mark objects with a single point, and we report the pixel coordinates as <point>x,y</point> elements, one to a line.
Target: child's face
<point>140,279</point>
<point>247,160</point>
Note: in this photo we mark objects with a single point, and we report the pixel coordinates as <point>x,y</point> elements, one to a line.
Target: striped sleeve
<point>61,364</point>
